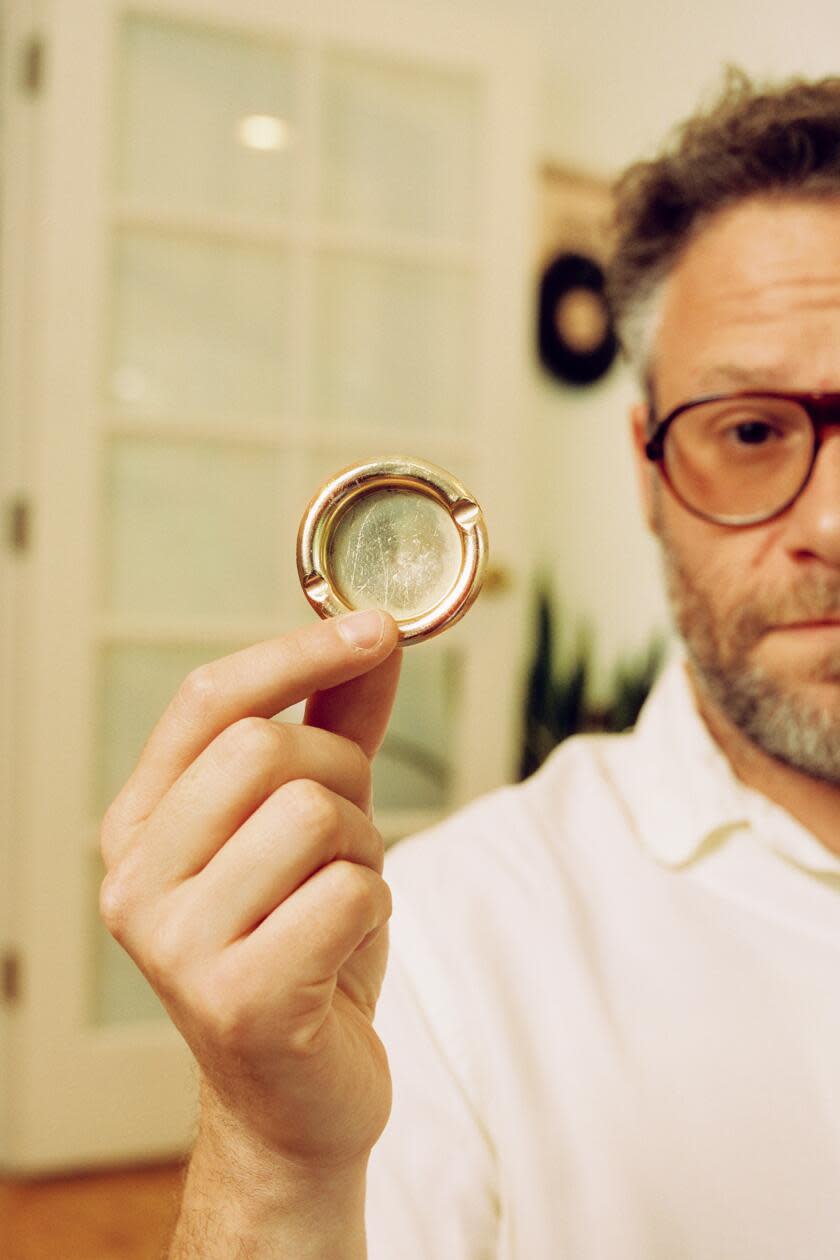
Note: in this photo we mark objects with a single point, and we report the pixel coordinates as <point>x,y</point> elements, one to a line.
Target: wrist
<point>239,1188</point>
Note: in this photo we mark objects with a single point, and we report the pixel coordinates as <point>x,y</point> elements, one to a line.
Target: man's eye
<point>752,432</point>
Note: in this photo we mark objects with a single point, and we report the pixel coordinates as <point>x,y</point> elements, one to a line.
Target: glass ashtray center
<point>394,548</point>
<point>395,533</point>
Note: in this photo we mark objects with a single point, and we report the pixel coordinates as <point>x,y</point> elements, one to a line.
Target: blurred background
<point>241,246</point>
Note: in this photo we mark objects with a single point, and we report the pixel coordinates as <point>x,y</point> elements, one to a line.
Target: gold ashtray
<point>397,534</point>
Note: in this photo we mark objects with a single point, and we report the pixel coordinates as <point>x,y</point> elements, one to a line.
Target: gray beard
<point>779,719</point>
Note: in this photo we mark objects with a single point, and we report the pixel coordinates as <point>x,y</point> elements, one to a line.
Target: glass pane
<point>206,119</point>
<point>120,993</point>
<point>202,327</point>
<point>399,148</point>
<point>136,682</point>
<point>397,550</point>
<point>414,767</point>
<point>396,344</point>
<point>191,530</point>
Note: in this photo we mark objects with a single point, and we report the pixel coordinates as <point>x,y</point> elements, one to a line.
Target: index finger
<point>259,681</point>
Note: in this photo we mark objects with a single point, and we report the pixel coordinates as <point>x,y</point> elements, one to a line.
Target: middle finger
<point>229,780</point>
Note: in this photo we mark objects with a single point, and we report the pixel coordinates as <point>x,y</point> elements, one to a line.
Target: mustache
<point>814,598</point>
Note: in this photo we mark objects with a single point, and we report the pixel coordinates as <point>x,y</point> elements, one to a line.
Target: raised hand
<point>244,876</point>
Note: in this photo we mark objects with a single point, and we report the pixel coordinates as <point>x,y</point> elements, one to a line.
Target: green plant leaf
<point>557,703</point>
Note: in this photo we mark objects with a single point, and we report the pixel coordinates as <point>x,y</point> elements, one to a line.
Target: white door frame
<point>19,28</point>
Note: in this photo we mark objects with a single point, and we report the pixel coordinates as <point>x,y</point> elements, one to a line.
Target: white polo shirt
<point>612,1013</point>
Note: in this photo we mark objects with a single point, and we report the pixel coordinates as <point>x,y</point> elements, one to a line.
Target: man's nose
<point>815,516</point>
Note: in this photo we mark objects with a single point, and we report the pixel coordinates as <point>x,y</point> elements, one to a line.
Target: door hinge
<point>20,524</point>
<point>10,977</point>
<point>33,66</point>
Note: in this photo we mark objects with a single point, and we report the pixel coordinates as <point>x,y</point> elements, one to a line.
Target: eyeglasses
<point>739,459</point>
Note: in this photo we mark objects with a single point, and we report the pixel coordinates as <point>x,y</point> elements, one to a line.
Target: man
<point>611,1010</point>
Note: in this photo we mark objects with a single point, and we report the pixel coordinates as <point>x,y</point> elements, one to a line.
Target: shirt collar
<point>689,797</point>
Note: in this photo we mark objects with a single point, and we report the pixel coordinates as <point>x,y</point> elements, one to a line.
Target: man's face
<point>754,302</point>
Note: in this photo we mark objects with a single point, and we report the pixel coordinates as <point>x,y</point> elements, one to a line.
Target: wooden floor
<point>126,1215</point>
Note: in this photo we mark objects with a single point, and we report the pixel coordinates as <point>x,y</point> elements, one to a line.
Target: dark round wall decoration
<point>577,341</point>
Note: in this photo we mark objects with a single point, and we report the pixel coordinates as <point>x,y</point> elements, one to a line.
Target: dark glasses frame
<point>821,407</point>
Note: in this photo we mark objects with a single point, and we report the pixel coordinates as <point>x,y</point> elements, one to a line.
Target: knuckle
<point>387,900</point>
<point>314,806</point>
<point>199,691</point>
<point>355,887</point>
<point>254,739</point>
<point>167,951</point>
<point>114,904</point>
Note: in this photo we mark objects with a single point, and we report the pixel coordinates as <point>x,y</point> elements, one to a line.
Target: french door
<point>263,239</point>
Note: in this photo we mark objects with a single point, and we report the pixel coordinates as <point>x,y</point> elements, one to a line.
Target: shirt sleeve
<point>431,1180</point>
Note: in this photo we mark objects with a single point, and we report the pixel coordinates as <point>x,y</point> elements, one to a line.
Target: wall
<point>615,78</point>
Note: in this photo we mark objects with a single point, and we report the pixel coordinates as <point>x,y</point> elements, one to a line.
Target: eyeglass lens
<point>739,458</point>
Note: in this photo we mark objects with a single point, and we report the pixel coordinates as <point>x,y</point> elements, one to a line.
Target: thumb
<point>360,708</point>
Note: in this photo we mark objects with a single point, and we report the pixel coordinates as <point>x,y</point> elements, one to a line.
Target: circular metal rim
<point>396,470</point>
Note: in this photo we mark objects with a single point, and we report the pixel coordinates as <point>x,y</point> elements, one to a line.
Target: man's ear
<point>645,471</point>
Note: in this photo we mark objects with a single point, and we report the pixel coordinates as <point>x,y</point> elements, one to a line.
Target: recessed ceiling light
<point>264,132</point>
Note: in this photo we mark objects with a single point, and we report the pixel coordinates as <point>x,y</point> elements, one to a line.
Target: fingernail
<point>362,630</point>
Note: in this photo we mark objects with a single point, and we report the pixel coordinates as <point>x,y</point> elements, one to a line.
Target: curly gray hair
<point>752,141</point>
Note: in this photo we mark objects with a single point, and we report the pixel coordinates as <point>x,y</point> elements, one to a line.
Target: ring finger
<point>299,829</point>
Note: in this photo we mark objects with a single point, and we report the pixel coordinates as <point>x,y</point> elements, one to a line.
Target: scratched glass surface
<point>395,549</point>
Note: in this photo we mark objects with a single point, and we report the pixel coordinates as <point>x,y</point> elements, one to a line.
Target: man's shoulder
<point>569,804</point>
<point>502,893</point>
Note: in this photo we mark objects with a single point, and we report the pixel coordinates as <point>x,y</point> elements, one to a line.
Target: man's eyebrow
<point>722,376</point>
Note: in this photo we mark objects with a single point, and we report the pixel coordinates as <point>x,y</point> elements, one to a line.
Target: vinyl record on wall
<point>576,337</point>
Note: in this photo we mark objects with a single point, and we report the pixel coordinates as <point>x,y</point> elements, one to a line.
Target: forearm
<point>235,1207</point>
